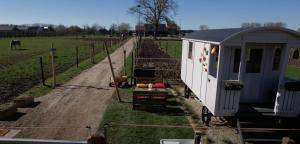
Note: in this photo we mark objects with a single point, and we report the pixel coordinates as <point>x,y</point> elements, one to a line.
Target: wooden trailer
<point>232,69</point>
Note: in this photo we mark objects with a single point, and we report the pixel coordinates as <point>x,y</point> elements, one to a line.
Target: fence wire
<point>20,72</point>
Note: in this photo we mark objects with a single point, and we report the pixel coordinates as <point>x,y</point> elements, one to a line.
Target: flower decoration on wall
<point>205,59</point>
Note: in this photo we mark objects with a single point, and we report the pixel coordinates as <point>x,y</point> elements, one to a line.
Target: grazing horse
<point>15,43</point>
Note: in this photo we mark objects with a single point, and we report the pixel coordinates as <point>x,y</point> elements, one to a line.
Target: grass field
<point>293,72</point>
<point>20,69</point>
<point>122,113</point>
<point>173,48</point>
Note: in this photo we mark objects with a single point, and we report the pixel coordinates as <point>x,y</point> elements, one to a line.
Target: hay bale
<point>7,110</point>
<point>24,101</point>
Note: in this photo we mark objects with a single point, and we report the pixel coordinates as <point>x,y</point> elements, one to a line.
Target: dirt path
<point>65,112</point>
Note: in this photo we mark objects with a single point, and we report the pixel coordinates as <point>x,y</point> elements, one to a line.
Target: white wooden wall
<point>287,103</point>
<point>194,75</point>
<point>184,54</point>
<point>210,89</point>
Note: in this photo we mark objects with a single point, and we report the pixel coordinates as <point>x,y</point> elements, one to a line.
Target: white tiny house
<point>229,68</point>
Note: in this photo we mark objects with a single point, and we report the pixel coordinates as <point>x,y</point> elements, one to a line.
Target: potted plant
<point>234,85</point>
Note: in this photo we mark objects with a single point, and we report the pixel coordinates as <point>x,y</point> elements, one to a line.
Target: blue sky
<point>191,13</point>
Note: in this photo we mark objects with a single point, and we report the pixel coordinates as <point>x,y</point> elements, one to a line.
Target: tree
<point>124,27</point>
<point>203,27</point>
<point>74,29</point>
<point>89,29</point>
<point>61,29</point>
<point>96,27</point>
<point>274,24</point>
<point>154,11</point>
<point>113,28</point>
<point>250,25</point>
<point>103,30</point>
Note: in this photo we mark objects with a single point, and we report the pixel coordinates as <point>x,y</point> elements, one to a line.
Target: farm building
<point>149,29</point>
<point>8,28</point>
<point>230,69</point>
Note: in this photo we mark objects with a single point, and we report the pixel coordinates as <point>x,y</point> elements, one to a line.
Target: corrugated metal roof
<point>214,35</point>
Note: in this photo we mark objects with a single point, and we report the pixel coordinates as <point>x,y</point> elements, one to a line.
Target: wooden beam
<point>112,72</point>
<point>243,61</point>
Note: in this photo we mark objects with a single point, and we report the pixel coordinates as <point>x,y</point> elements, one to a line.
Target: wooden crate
<point>144,98</point>
<point>147,80</point>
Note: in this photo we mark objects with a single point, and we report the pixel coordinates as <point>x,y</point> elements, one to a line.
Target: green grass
<point>122,113</point>
<point>293,72</point>
<point>173,48</point>
<point>40,90</point>
<point>20,69</point>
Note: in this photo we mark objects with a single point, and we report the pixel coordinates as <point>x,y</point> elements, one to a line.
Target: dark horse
<point>15,43</point>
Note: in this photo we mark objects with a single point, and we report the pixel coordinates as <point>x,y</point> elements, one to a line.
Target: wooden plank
<point>3,132</point>
<point>222,99</point>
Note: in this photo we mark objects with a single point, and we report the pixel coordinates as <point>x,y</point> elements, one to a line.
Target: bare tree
<point>274,24</point>
<point>96,27</point>
<point>154,11</point>
<point>103,30</point>
<point>250,25</point>
<point>75,29</point>
<point>113,28</point>
<point>123,27</point>
<point>61,29</point>
<point>203,27</point>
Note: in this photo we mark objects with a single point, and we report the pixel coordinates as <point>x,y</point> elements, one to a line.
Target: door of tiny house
<point>261,73</point>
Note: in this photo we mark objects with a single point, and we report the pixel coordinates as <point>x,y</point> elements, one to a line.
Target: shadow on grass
<point>171,108</point>
<point>14,117</point>
<point>35,104</point>
<point>169,111</point>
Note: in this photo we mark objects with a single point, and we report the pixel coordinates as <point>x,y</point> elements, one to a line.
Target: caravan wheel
<point>187,92</point>
<point>205,115</point>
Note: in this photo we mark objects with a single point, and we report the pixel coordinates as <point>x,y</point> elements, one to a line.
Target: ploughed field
<point>20,67</point>
<point>152,57</point>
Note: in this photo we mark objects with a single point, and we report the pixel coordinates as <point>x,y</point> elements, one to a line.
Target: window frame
<point>234,60</point>
<point>213,61</point>
<point>250,69</point>
<point>274,58</point>
<point>190,50</point>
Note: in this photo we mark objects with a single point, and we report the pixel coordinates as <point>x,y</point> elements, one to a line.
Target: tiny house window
<point>276,59</point>
<point>253,64</point>
<point>237,60</point>
<point>213,61</point>
<point>190,52</point>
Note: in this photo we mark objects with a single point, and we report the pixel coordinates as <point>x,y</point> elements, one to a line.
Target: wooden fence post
<point>52,53</point>
<point>167,47</point>
<point>159,44</point>
<point>112,72</point>
<point>93,52</point>
<point>77,58</point>
<point>175,50</point>
<point>124,51</point>
<point>132,61</point>
<point>42,71</point>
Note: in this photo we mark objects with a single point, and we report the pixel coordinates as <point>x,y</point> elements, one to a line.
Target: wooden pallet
<point>142,97</point>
